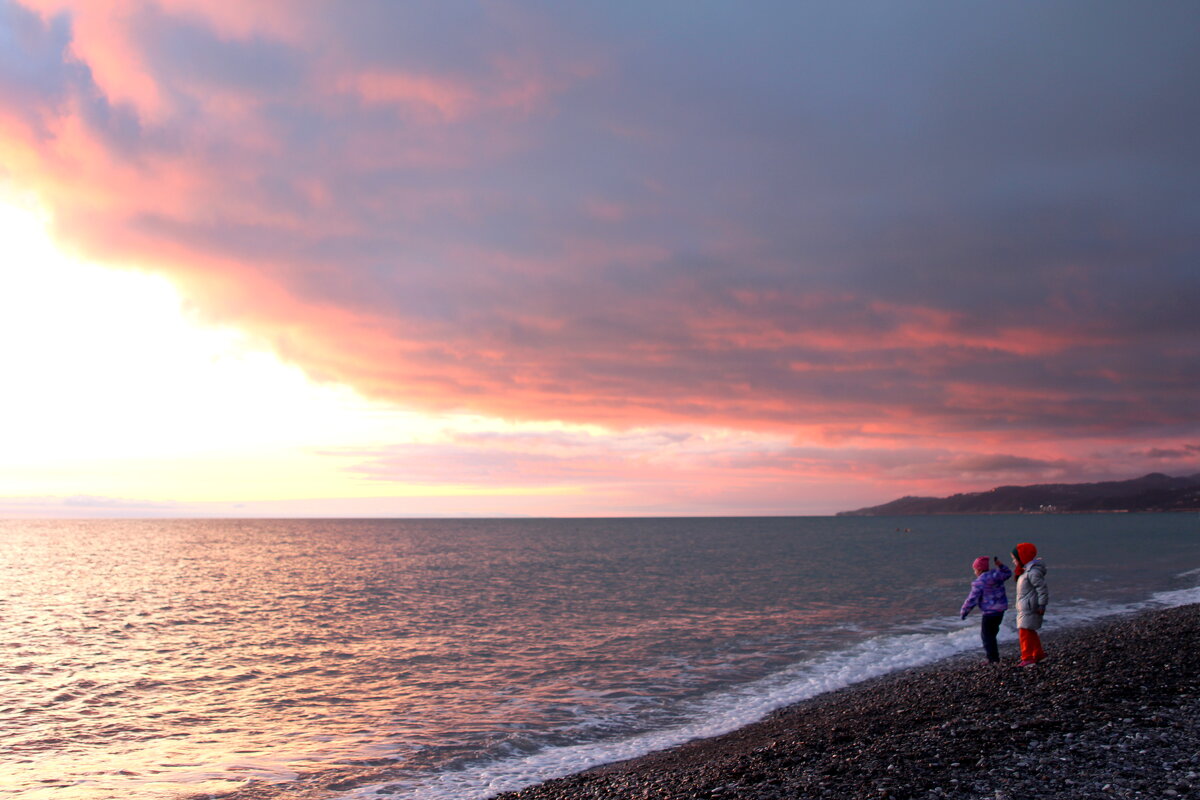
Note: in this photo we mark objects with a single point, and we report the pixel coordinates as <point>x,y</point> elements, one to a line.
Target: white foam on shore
<point>1178,597</point>
<point>727,711</point>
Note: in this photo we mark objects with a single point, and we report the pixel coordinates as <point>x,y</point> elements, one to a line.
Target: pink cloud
<point>448,99</point>
<point>670,471</point>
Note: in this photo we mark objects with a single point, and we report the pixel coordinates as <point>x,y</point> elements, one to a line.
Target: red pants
<point>1031,645</point>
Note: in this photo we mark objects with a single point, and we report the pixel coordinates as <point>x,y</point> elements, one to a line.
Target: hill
<point>1153,492</point>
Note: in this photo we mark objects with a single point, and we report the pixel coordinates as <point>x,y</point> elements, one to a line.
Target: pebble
<point>1126,727</point>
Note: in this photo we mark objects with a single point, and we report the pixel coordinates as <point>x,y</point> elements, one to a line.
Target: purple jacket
<point>987,592</point>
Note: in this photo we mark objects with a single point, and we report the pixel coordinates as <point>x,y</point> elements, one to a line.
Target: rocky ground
<point>1113,713</point>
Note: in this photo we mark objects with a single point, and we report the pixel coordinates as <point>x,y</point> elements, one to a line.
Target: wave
<point>726,711</point>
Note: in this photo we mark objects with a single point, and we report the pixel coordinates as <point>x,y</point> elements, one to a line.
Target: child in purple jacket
<point>987,592</point>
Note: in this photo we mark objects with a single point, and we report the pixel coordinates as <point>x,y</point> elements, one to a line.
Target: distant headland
<point>1153,492</point>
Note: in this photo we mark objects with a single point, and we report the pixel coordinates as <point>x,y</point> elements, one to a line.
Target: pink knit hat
<point>981,564</point>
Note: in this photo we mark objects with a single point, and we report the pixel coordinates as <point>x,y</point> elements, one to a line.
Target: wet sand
<point>1113,712</point>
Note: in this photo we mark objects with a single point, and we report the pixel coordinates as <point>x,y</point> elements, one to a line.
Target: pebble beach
<point>1113,712</point>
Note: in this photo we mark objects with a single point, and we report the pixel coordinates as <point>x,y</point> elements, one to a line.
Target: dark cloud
<point>35,73</point>
<point>182,51</point>
<point>999,463</point>
<point>1190,451</point>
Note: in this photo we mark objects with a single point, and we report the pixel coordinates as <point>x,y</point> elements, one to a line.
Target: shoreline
<point>1113,712</point>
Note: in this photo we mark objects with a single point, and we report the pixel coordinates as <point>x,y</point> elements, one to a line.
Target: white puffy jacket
<point>1032,594</point>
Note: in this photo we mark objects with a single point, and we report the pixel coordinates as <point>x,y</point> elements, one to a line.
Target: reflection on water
<point>151,659</point>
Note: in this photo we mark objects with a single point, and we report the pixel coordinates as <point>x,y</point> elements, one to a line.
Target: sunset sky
<point>290,257</point>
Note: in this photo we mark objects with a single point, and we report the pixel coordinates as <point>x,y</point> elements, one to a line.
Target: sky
<point>301,258</point>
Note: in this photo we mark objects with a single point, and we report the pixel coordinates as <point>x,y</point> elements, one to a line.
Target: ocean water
<point>451,660</point>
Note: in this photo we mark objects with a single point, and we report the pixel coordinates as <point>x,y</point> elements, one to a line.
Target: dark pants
<point>987,631</point>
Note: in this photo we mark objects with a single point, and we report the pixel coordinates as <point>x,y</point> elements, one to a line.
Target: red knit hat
<point>981,564</point>
<point>1025,552</point>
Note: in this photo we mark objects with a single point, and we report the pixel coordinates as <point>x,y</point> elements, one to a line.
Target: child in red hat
<point>1032,597</point>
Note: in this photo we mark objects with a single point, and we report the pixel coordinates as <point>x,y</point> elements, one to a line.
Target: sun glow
<point>110,389</point>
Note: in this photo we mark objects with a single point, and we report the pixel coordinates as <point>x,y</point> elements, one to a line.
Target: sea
<point>455,659</point>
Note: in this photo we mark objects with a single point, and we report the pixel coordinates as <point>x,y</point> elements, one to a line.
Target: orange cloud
<point>449,99</point>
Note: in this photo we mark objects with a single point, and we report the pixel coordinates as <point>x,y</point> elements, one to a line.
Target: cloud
<point>1005,464</point>
<point>675,470</point>
<point>973,225</point>
<point>86,506</point>
<point>1189,451</point>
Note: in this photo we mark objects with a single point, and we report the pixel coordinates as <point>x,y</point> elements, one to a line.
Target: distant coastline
<point>1154,493</point>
